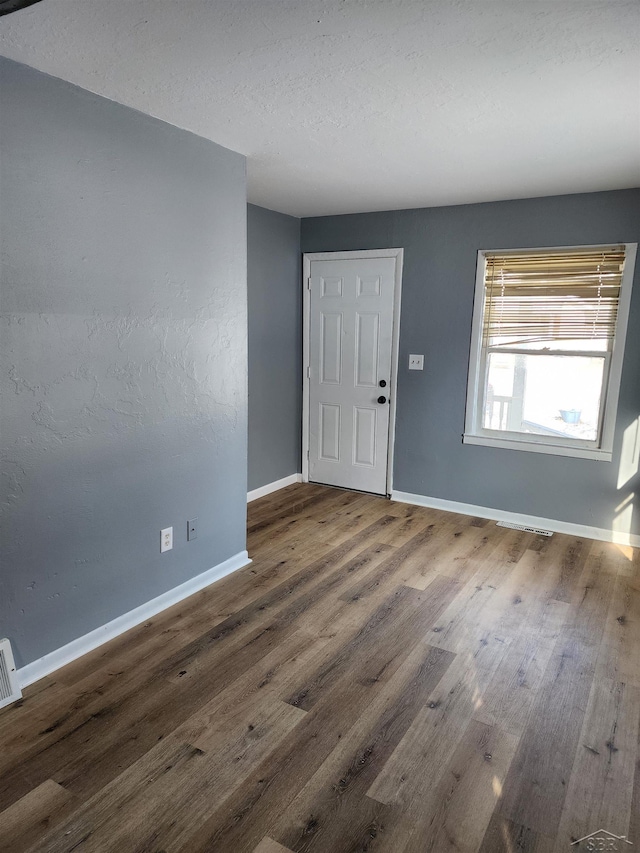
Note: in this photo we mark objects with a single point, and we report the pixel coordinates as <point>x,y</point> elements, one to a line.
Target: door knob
<point>382,383</point>
<point>382,399</point>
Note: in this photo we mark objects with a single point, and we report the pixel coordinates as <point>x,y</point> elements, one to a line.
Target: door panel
<point>368,286</point>
<point>331,349</point>
<point>331,286</point>
<point>329,432</point>
<point>350,342</point>
<point>364,437</point>
<point>367,326</point>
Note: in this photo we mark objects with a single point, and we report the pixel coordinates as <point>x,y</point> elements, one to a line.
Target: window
<point>547,343</point>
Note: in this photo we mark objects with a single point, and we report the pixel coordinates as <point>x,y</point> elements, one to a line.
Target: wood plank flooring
<point>381,678</point>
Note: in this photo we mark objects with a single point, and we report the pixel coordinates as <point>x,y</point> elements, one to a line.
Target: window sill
<point>538,447</point>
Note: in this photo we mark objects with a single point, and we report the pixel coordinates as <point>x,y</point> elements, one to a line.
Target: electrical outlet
<point>192,529</point>
<point>166,539</point>
<point>416,362</point>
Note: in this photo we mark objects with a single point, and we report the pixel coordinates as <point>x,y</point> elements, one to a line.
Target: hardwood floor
<point>381,678</point>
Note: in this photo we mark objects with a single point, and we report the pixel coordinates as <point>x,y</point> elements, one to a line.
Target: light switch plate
<point>416,362</point>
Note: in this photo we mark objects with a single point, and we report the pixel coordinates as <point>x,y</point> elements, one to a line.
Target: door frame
<point>307,258</point>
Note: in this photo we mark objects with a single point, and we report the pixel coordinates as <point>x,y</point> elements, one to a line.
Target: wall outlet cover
<point>416,362</point>
<point>166,539</point>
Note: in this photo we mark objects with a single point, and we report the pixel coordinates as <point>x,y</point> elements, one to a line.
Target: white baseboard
<point>76,648</point>
<point>601,533</point>
<point>273,487</point>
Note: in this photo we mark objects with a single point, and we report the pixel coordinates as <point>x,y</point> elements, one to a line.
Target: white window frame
<point>475,433</point>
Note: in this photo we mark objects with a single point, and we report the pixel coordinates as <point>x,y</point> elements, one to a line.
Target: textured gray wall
<point>275,336</point>
<point>123,358</point>
<point>441,245</point>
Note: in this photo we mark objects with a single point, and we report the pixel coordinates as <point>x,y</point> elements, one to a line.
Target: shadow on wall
<point>622,523</point>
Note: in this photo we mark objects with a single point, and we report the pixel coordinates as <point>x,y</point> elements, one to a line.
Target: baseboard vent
<point>9,687</point>
<point>524,528</point>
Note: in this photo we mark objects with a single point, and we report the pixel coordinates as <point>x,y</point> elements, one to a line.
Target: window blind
<point>555,296</point>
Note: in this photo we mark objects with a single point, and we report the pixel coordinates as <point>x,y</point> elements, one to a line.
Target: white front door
<point>351,307</point>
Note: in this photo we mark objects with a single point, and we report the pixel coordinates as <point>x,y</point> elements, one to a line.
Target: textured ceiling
<point>358,105</point>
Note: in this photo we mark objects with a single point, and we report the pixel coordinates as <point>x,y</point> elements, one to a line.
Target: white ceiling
<point>360,105</point>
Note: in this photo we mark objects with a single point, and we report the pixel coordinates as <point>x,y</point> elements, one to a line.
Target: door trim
<point>307,258</point>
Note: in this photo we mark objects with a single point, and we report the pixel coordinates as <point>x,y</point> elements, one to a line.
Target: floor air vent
<point>524,527</point>
<point>9,688</point>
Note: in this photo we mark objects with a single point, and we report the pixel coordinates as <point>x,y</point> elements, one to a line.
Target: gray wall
<point>123,358</point>
<point>275,335</point>
<point>437,300</point>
